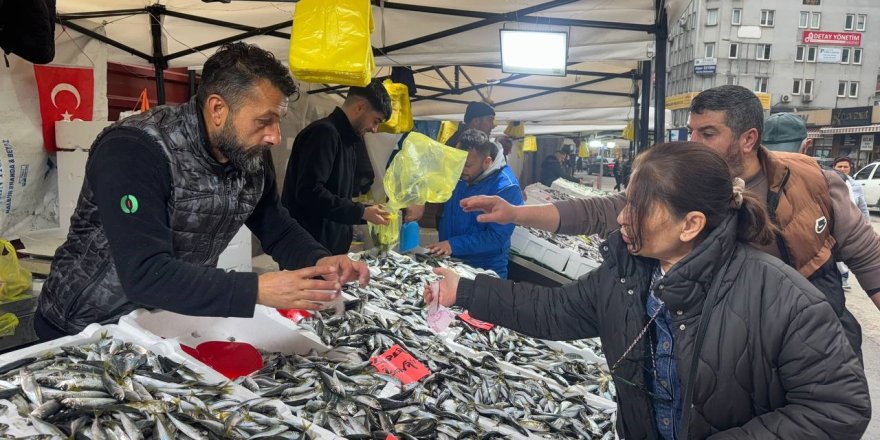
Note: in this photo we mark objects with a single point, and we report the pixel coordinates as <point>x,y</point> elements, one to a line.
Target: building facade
<point>797,55</point>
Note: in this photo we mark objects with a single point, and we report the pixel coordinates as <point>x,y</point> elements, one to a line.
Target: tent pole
<point>637,123</point>
<point>159,61</point>
<point>660,74</point>
<point>642,133</point>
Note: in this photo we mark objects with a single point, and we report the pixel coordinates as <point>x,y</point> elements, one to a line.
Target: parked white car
<point>869,178</point>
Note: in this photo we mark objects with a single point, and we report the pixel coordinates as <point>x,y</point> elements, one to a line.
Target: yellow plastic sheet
<point>401,120</point>
<point>447,129</point>
<point>423,171</point>
<point>330,42</point>
<point>8,324</point>
<point>530,143</point>
<point>15,280</point>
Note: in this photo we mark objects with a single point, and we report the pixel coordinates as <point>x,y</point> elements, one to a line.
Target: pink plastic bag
<point>439,317</point>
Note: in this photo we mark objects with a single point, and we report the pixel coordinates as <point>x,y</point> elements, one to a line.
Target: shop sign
<point>678,102</point>
<point>833,38</point>
<point>830,55</point>
<point>704,70</point>
<point>851,117</point>
<point>850,140</point>
<point>867,142</point>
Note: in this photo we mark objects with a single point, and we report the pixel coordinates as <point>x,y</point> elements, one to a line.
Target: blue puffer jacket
<point>483,245</point>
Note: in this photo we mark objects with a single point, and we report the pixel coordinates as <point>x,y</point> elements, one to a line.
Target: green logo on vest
<point>129,204</point>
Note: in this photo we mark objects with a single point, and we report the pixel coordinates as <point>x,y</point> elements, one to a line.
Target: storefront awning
<point>850,130</point>
<point>814,133</point>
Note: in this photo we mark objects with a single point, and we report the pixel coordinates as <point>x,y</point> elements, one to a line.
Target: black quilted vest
<point>207,207</point>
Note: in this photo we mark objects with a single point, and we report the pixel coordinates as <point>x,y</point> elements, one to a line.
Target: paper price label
<point>476,323</point>
<point>400,364</point>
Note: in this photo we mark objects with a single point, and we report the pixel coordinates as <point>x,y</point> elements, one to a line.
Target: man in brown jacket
<point>819,224</point>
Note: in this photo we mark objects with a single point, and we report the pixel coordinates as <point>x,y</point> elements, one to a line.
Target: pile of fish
<point>463,397</point>
<point>110,389</point>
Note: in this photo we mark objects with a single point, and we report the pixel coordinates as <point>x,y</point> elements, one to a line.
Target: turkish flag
<point>66,93</point>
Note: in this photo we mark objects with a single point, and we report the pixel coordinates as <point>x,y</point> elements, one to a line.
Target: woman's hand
<point>447,290</point>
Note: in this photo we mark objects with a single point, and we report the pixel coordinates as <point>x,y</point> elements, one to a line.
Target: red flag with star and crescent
<point>66,94</point>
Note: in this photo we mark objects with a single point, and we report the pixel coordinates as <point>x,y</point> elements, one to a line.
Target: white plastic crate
<point>519,239</point>
<point>546,253</point>
<point>579,266</point>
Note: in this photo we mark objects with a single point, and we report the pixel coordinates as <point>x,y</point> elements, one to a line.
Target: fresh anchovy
<point>111,389</point>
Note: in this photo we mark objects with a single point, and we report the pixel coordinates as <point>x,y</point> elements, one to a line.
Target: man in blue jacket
<point>485,173</point>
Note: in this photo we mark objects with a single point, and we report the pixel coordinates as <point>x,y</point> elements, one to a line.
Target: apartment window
<point>732,80</point>
<point>804,22</point>
<point>767,17</point>
<point>808,87</point>
<point>712,17</point>
<point>799,54</point>
<point>850,22</point>
<point>844,56</point>
<point>710,50</point>
<point>815,20</point>
<point>734,51</point>
<point>811,54</point>
<point>761,84</point>
<point>736,17</point>
<point>853,89</point>
<point>857,56</point>
<point>861,22</point>
<point>763,52</point>
<point>796,87</point>
<point>841,89</point>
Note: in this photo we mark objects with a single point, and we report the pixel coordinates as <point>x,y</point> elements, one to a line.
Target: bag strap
<point>701,334</point>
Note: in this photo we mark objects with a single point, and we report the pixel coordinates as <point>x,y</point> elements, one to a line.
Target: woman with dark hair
<point>705,336</point>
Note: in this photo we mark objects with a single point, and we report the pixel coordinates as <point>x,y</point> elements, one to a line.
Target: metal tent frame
<point>461,82</point>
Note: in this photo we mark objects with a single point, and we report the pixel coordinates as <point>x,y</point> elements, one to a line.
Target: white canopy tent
<point>454,49</point>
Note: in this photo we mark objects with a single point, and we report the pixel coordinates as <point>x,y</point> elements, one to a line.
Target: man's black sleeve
<point>281,236</point>
<point>128,167</point>
<point>309,169</point>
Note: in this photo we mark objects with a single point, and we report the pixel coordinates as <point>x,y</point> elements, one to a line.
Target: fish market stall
<point>318,377</point>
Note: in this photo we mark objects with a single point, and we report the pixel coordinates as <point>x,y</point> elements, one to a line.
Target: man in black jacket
<point>320,181</point>
<point>551,168</point>
<point>164,193</point>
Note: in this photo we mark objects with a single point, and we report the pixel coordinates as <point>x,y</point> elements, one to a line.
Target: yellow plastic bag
<point>330,42</point>
<point>447,129</point>
<point>401,120</point>
<point>530,143</point>
<point>583,150</point>
<point>8,324</point>
<point>515,129</point>
<point>14,279</point>
<point>423,171</point>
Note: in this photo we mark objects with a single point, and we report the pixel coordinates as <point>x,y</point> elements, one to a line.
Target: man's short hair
<point>742,109</point>
<point>475,140</point>
<point>236,67</point>
<point>476,109</point>
<point>375,94</point>
<point>471,138</point>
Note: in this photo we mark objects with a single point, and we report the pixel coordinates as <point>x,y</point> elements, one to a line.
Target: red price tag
<point>400,364</point>
<point>476,323</point>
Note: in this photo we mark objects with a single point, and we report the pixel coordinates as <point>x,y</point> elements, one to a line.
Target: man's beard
<point>734,159</point>
<point>248,160</point>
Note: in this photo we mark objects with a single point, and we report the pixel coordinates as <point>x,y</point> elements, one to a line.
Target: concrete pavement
<point>869,317</point>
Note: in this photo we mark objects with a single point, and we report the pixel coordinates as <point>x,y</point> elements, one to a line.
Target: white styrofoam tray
<point>266,330</point>
<point>546,253</point>
<point>579,266</point>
